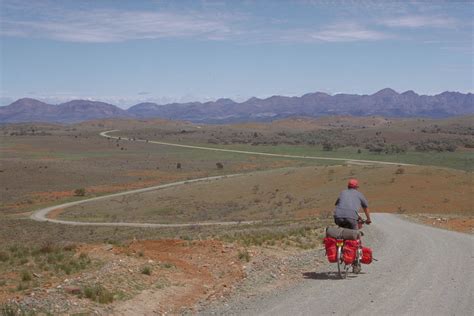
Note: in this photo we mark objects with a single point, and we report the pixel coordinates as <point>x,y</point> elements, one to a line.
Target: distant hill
<point>386,102</point>
<point>31,110</point>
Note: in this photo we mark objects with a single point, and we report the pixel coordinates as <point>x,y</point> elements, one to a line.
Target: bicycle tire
<point>356,266</point>
<point>342,268</point>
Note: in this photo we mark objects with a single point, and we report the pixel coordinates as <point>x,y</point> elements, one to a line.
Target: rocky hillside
<point>386,102</point>
<point>31,110</point>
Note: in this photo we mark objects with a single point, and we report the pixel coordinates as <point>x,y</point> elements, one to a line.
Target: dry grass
<point>29,267</point>
<point>288,194</point>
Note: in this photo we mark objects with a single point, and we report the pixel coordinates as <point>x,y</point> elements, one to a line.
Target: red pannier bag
<point>366,255</point>
<point>331,250</point>
<point>350,251</point>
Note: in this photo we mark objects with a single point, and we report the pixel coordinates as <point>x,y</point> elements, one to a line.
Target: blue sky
<point>125,52</point>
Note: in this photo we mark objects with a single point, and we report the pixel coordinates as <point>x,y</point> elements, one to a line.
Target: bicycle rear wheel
<point>356,266</point>
<point>342,268</point>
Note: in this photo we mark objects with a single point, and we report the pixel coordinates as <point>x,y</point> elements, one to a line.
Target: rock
<point>72,289</point>
<point>37,275</point>
<point>108,247</point>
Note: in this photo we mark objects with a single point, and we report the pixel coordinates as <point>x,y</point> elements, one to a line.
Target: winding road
<point>420,270</point>
<point>42,214</point>
<point>255,153</point>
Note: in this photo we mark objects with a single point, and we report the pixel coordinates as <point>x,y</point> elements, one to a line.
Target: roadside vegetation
<point>305,234</point>
<point>25,267</point>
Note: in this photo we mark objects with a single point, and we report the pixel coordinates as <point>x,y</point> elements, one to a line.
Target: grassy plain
<point>288,193</point>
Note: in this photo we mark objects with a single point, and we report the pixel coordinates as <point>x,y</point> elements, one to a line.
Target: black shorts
<point>346,223</point>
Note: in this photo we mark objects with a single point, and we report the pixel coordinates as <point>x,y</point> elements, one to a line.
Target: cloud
<point>419,21</point>
<point>98,26</point>
<point>348,32</point>
<point>51,20</point>
<point>105,25</point>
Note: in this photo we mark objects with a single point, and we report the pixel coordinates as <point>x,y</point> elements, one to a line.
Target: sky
<point>125,52</point>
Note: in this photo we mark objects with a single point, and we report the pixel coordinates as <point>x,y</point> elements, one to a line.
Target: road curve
<point>420,270</point>
<point>41,215</point>
<point>105,134</point>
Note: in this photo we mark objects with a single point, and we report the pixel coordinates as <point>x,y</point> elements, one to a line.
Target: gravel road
<point>255,153</point>
<point>41,215</point>
<point>421,271</point>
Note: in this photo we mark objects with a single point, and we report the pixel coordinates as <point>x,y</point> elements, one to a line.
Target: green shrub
<point>80,192</point>
<point>167,265</point>
<point>98,293</point>
<point>146,270</point>
<point>244,255</point>
<point>4,256</point>
<point>25,276</point>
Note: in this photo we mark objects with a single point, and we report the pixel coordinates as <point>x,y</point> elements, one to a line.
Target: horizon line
<point>98,99</point>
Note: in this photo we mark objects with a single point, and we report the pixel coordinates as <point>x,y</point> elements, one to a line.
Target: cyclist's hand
<point>368,221</point>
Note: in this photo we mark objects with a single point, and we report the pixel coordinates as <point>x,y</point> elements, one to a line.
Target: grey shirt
<point>349,203</point>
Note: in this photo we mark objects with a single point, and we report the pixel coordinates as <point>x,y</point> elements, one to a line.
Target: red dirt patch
<point>203,269</point>
<point>54,195</point>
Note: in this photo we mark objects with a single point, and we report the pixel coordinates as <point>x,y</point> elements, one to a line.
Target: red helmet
<point>353,184</point>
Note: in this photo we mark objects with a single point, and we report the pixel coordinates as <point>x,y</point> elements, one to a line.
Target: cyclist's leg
<point>346,223</point>
<point>341,222</point>
<point>352,223</point>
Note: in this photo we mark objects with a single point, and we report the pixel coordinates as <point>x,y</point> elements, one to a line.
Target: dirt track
<point>355,161</point>
<point>421,271</point>
<point>41,215</point>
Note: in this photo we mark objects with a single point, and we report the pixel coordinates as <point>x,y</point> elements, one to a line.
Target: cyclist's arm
<point>367,215</point>
<point>365,207</point>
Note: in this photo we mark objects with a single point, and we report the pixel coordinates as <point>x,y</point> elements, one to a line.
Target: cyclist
<point>348,205</point>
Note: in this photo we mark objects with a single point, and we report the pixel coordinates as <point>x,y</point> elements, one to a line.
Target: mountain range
<point>386,102</point>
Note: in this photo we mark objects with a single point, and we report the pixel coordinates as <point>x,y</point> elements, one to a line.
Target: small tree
<point>80,192</point>
<point>219,165</point>
<point>178,165</point>
<point>327,146</point>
